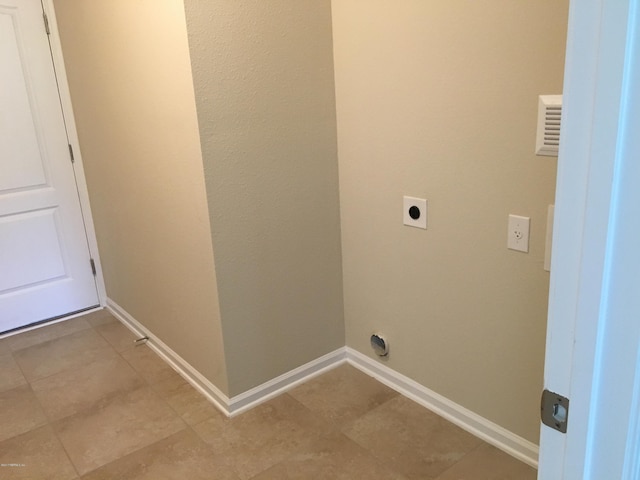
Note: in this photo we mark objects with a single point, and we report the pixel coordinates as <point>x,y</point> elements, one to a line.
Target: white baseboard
<point>266,391</point>
<point>473,423</point>
<point>179,364</point>
<point>239,403</point>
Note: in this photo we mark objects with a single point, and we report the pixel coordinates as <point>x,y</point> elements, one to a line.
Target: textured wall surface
<point>263,76</point>
<point>131,87</point>
<point>439,100</point>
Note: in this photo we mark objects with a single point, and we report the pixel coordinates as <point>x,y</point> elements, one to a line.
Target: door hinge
<point>71,154</point>
<point>554,410</point>
<point>93,266</point>
<point>46,23</point>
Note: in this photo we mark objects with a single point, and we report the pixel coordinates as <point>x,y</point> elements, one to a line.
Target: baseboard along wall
<point>473,423</point>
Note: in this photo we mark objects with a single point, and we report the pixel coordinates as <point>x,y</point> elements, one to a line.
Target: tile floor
<point>79,400</point>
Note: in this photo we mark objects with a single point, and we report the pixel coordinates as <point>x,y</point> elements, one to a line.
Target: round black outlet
<point>414,212</point>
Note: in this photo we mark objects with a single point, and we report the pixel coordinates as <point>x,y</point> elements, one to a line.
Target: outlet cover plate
<point>518,233</point>
<point>415,207</point>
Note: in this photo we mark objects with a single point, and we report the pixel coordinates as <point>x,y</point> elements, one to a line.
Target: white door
<point>593,339</point>
<point>45,269</point>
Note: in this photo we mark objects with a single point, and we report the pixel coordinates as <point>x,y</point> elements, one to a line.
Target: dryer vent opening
<point>379,345</point>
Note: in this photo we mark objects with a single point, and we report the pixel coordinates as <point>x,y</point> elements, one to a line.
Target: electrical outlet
<point>415,212</point>
<point>518,233</point>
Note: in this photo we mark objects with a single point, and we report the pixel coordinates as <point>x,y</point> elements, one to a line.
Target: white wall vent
<point>549,118</point>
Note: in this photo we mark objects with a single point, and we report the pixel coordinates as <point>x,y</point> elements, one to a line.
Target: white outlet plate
<point>416,203</point>
<point>518,233</point>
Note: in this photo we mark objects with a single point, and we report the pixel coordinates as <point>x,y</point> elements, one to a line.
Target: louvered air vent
<point>549,118</point>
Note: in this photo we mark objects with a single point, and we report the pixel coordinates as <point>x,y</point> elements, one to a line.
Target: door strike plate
<point>554,411</point>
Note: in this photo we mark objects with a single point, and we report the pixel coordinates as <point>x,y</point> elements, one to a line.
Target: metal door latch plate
<point>554,410</point>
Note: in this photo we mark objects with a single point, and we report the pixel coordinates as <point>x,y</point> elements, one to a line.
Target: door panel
<point>44,255</point>
<point>18,133</point>
<point>30,249</point>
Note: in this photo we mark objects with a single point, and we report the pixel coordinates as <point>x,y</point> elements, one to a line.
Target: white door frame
<point>593,335</point>
<point>67,111</point>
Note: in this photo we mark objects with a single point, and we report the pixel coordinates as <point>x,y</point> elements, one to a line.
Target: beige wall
<point>263,76</point>
<point>131,86</point>
<point>438,100</point>
<point>434,99</point>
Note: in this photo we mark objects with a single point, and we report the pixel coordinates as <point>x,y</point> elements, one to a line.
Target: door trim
<point>78,166</point>
<point>589,325</point>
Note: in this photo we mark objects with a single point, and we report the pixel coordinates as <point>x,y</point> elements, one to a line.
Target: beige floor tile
<point>116,427</point>
<point>64,353</point>
<point>489,463</point>
<point>410,439</point>
<point>342,394</point>
<point>333,457</point>
<point>148,364</point>
<point>125,416</point>
<point>19,412</point>
<point>46,333</point>
<point>181,456</point>
<point>100,317</point>
<point>10,374</point>
<point>190,404</point>
<point>119,336</point>
<point>72,391</point>
<point>37,454</point>
<point>261,437</point>
<point>4,346</point>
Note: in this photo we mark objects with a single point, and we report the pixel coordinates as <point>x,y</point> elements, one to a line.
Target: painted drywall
<point>438,100</point>
<point>263,76</point>
<point>130,81</point>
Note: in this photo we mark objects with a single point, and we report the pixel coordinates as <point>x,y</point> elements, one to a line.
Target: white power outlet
<point>518,233</point>
<point>415,212</point>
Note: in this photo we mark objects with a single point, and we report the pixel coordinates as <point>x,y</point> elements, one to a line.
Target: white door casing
<point>593,335</point>
<point>44,251</point>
